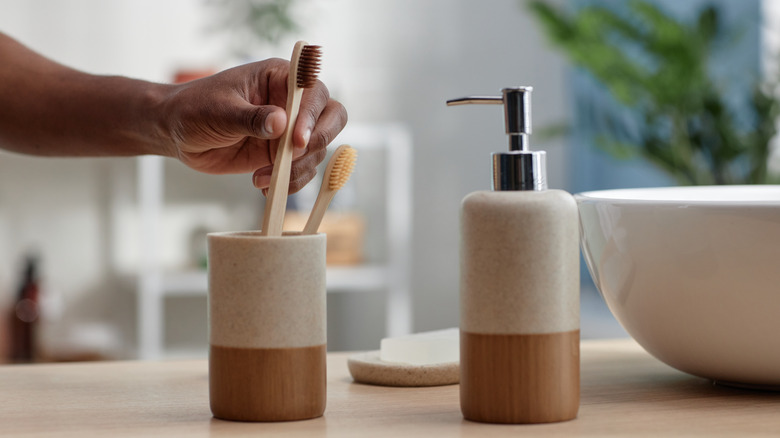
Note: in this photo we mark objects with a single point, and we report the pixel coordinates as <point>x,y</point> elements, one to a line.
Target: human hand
<point>231,123</point>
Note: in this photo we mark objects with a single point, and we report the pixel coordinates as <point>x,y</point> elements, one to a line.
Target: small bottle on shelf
<point>25,316</point>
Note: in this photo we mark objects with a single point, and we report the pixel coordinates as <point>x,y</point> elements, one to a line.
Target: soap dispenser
<point>519,285</point>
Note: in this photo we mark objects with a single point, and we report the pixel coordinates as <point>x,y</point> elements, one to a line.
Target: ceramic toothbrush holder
<point>267,326</point>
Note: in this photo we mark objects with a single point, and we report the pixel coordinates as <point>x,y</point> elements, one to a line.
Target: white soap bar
<point>440,346</point>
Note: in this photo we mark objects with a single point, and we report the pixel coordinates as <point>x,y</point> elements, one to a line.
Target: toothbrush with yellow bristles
<point>337,173</point>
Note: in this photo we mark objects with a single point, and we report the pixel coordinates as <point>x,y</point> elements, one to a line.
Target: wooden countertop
<point>625,392</point>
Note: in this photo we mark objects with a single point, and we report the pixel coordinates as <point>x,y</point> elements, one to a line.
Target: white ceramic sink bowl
<point>693,274</point>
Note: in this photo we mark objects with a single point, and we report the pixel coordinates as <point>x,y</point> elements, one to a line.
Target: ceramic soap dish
<point>423,359</point>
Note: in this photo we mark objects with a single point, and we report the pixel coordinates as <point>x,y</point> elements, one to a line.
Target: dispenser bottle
<point>519,286</point>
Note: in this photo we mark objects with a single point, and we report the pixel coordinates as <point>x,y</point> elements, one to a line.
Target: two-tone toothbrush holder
<point>267,326</point>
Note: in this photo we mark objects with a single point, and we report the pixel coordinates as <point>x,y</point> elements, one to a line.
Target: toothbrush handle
<point>276,202</point>
<point>318,212</point>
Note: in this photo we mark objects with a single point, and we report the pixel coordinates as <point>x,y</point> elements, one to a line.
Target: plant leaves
<point>656,66</point>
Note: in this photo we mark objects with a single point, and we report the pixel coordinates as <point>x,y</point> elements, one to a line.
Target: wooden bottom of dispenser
<point>267,384</point>
<point>520,378</point>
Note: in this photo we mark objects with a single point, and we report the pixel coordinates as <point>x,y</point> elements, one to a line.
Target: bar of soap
<point>435,347</point>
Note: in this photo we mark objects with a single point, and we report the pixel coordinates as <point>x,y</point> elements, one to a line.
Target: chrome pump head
<point>520,168</point>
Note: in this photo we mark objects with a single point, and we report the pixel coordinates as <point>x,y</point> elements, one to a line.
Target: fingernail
<point>268,126</point>
<point>306,137</point>
<point>261,181</point>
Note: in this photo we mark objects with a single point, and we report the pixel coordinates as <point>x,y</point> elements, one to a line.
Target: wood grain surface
<point>624,392</point>
<point>267,384</point>
<point>520,378</point>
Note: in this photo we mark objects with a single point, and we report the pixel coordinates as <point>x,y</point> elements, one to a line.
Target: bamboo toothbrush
<point>304,67</point>
<point>337,173</point>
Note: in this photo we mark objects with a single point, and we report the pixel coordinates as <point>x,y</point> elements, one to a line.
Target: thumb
<point>264,121</point>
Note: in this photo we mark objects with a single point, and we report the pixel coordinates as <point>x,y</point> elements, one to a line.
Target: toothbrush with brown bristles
<point>304,67</point>
<point>337,173</point>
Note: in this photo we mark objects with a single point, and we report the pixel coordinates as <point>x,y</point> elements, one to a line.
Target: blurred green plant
<point>657,67</point>
<point>253,23</point>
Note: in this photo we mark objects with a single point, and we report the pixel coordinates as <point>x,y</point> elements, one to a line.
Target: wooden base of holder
<point>267,384</point>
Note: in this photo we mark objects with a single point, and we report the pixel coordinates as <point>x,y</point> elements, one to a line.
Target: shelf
<point>357,279</point>
<point>366,278</point>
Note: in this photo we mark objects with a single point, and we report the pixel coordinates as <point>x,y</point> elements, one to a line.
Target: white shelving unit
<point>393,277</point>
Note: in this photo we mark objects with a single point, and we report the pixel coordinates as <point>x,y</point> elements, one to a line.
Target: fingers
<point>313,103</point>
<point>302,172</point>
<point>305,169</point>
<point>296,185</point>
<point>299,180</point>
<point>262,177</point>
<point>320,119</point>
<point>330,122</point>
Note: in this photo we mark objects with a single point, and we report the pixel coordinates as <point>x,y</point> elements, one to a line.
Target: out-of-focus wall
<point>416,55</point>
<point>385,60</point>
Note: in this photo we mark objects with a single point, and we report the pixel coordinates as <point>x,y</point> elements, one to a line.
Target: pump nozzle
<point>520,168</point>
<point>517,113</point>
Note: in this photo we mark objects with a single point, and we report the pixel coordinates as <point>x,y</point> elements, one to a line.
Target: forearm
<point>52,110</point>
<point>229,122</point>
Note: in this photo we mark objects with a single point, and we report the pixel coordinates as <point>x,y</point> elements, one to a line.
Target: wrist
<point>153,130</point>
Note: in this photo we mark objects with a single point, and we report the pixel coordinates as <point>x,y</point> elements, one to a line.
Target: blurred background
<point>115,247</point>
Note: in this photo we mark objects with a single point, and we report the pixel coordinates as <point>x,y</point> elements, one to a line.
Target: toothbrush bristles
<point>309,66</point>
<point>342,168</point>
